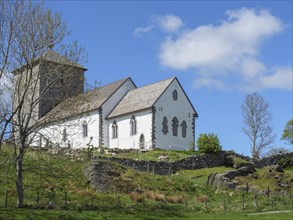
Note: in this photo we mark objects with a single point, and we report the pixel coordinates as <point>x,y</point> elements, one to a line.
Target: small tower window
<point>175,126</point>
<point>175,95</point>
<point>64,135</point>
<point>184,127</point>
<point>133,125</point>
<point>165,125</point>
<point>114,130</point>
<point>85,130</point>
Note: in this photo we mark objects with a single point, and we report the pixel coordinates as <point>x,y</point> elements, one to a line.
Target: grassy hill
<point>57,182</point>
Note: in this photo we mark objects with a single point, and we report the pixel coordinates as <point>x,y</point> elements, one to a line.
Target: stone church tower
<point>51,79</point>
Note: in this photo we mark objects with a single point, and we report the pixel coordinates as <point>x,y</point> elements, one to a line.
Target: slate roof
<point>57,58</point>
<point>52,57</point>
<point>84,102</point>
<point>140,98</point>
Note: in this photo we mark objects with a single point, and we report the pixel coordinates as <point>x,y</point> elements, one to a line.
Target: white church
<point>117,115</point>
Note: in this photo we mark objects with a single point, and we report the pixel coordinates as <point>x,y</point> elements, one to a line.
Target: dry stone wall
<point>192,162</point>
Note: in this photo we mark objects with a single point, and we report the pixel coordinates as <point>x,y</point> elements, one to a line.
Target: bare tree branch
<point>28,33</point>
<point>256,119</point>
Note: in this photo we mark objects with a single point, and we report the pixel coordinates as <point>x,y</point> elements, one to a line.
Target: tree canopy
<point>288,132</point>
<point>208,143</point>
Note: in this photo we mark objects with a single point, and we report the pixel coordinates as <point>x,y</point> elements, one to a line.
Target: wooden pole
<point>118,201</point>
<point>268,192</point>
<point>38,199</point>
<point>255,201</point>
<point>6,198</point>
<point>65,198</point>
<point>148,168</point>
<point>243,205</point>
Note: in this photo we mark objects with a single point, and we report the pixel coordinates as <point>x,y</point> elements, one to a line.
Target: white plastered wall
<point>180,108</point>
<point>127,141</point>
<point>110,104</point>
<point>74,130</point>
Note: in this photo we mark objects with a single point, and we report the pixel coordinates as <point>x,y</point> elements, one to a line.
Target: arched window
<point>184,127</point>
<point>64,135</point>
<point>175,126</point>
<point>133,125</point>
<point>114,130</point>
<point>175,95</point>
<point>165,125</point>
<point>84,130</point>
<point>141,142</point>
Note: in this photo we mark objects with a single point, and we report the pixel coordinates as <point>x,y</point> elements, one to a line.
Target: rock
<point>244,164</point>
<point>229,161</point>
<point>283,184</point>
<point>231,185</point>
<point>105,176</point>
<point>226,179</point>
<point>244,171</point>
<point>276,168</point>
<point>163,158</point>
<point>276,177</point>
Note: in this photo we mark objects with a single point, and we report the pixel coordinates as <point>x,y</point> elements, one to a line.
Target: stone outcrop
<point>226,179</point>
<point>105,176</point>
<point>272,160</point>
<point>276,168</point>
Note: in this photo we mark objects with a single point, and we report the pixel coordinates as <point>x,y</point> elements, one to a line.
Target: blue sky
<point>219,50</point>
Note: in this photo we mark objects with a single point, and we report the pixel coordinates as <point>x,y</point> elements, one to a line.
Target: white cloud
<point>209,82</point>
<point>282,78</point>
<point>228,52</point>
<point>168,23</point>
<point>141,30</point>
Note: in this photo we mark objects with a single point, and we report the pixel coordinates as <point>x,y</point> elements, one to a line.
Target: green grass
<point>264,178</point>
<point>153,155</point>
<point>22,214</point>
<point>50,178</point>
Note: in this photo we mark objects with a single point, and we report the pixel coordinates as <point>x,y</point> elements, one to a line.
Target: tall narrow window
<point>165,125</point>
<point>114,130</point>
<point>184,127</point>
<point>64,135</point>
<point>133,125</point>
<point>175,95</point>
<point>175,126</point>
<point>85,130</point>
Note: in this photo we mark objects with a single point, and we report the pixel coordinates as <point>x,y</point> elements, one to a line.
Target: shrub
<point>175,199</point>
<point>208,143</point>
<point>136,197</point>
<point>160,197</point>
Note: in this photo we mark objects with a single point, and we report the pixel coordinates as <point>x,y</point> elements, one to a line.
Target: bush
<point>208,143</point>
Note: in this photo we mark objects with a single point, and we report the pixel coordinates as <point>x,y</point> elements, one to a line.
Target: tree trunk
<point>19,185</point>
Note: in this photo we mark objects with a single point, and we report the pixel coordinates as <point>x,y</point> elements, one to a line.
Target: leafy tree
<point>288,132</point>
<point>256,118</point>
<point>208,143</point>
